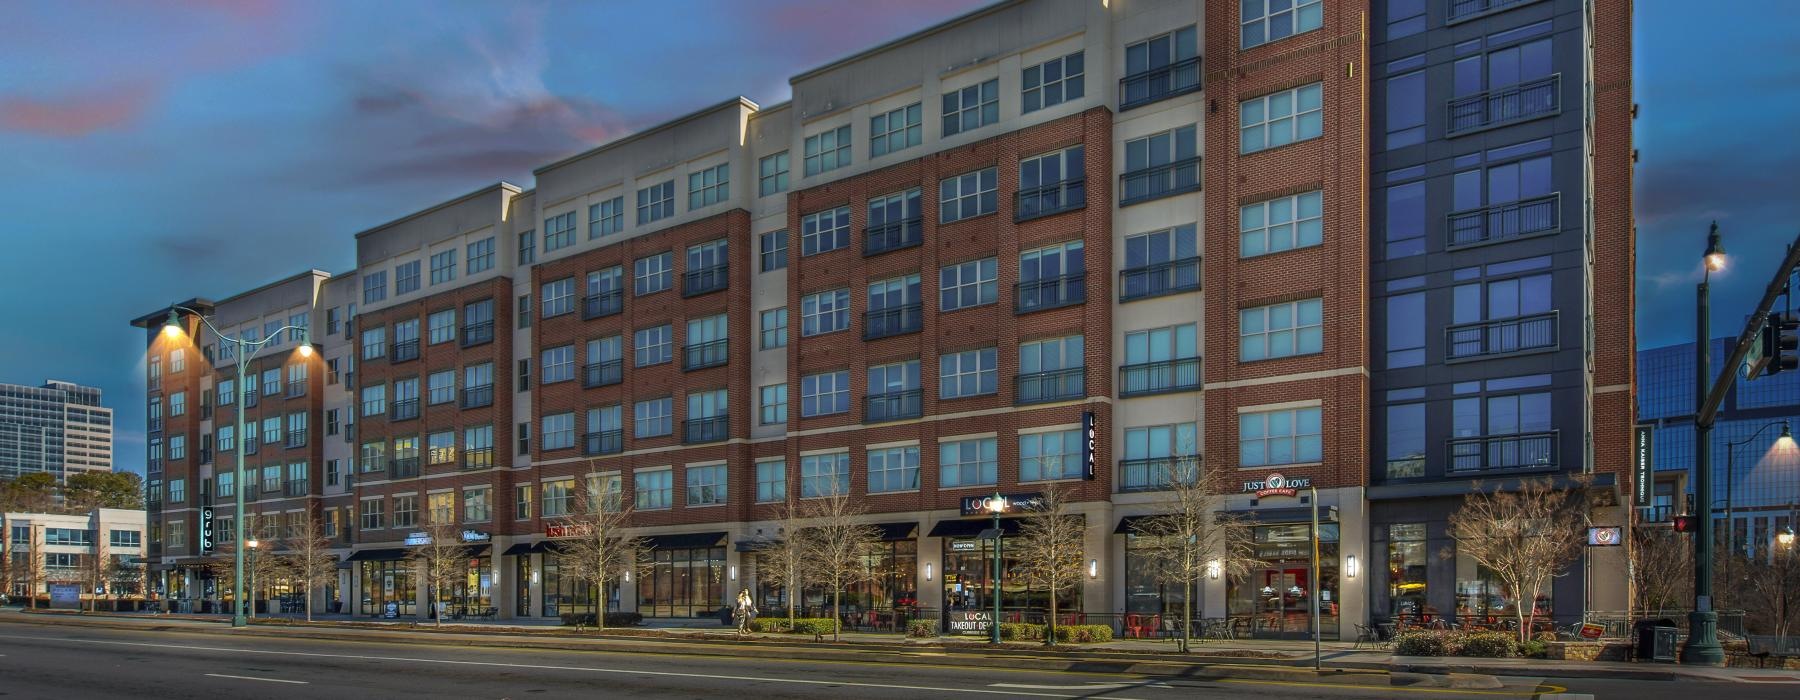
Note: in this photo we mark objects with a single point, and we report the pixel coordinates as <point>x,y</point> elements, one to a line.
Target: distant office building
<point>63,546</point>
<point>59,428</point>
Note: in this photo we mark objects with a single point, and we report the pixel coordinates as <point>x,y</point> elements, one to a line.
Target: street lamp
<point>1786,438</point>
<point>996,504</point>
<point>246,352</point>
<point>1702,645</point>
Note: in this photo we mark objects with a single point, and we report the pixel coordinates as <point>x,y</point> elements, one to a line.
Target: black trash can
<point>1655,639</point>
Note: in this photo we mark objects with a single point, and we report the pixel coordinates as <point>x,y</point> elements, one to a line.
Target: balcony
<point>250,398</point>
<point>893,235</point>
<point>1501,222</point>
<point>206,411</point>
<point>295,438</point>
<point>709,429</point>
<point>603,304</point>
<point>156,425</point>
<point>605,442</point>
<point>703,355</point>
<point>250,444</point>
<point>295,489</point>
<point>1463,10</point>
<point>1159,279</point>
<point>1050,385</point>
<point>1159,181</point>
<point>1149,378</point>
<point>599,374</point>
<point>1055,198</point>
<point>706,279</point>
<point>891,321</point>
<point>1049,293</point>
<point>1488,453</point>
<point>478,396</point>
<point>1154,473</point>
<point>154,466</point>
<point>403,468</point>
<point>1160,83</point>
<point>404,350</point>
<point>206,455</point>
<point>478,457</point>
<point>403,409</point>
<point>1507,105</point>
<point>1508,336</point>
<point>477,333</point>
<point>893,405</point>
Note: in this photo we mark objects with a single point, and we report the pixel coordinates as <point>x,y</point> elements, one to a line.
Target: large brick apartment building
<point>1381,248</point>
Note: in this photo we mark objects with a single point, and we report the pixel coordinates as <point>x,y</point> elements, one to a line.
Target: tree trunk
<point>791,593</point>
<point>600,605</point>
<point>1187,621</point>
<point>1526,616</point>
<point>837,606</point>
<point>1050,624</point>
<point>309,603</point>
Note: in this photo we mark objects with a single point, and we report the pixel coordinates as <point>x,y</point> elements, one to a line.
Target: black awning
<point>548,547</point>
<point>686,540</point>
<point>756,545</point>
<point>476,550</point>
<point>1297,514</point>
<point>518,548</point>
<point>894,532</point>
<point>1128,524</point>
<point>378,555</point>
<point>971,528</point>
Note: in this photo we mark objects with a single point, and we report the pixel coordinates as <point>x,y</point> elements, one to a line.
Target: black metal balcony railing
<point>1050,292</point>
<point>706,279</point>
<point>1159,83</point>
<point>1468,9</point>
<point>1159,279</point>
<point>156,425</point>
<point>703,355</point>
<point>1158,181</point>
<point>605,442</point>
<point>1155,473</point>
<point>598,374</point>
<point>1054,198</point>
<point>206,455</point>
<point>478,396</point>
<point>478,457</point>
<point>1050,385</point>
<point>403,409</point>
<point>1501,336</point>
<point>295,488</point>
<point>1502,452</point>
<point>893,405</point>
<point>603,304</point>
<point>477,333</point>
<point>1503,221</point>
<point>893,235</point>
<point>1159,377</point>
<point>1660,513</point>
<point>250,445</point>
<point>296,388</point>
<point>404,350</point>
<point>206,411</point>
<point>403,468</point>
<point>709,429</point>
<point>894,320</point>
<point>154,466</point>
<point>296,438</point>
<point>1500,106</point>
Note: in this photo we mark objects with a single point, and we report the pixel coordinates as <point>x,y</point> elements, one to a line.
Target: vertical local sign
<point>1090,438</point>
<point>1643,457</point>
<point>206,530</point>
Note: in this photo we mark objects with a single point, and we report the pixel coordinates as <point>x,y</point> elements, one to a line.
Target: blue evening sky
<point>151,152</point>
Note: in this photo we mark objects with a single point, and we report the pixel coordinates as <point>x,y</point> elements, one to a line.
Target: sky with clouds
<point>151,152</point>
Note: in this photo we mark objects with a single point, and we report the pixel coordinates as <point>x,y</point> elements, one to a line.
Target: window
<point>1285,117</point>
<point>522,502</point>
<point>894,469</point>
<point>651,274</point>
<point>895,130</point>
<point>227,438</point>
<point>972,107</point>
<point>331,421</point>
<point>893,223</point>
<point>825,312</point>
<point>706,343</point>
<point>372,457</point>
<point>1502,316</point>
<point>1503,201</point>
<point>706,268</point>
<point>967,284</point>
<point>558,432</point>
<point>1157,453</point>
<point>177,361</point>
<point>824,475</point>
<point>178,400</point>
<point>1159,263</point>
<point>968,373</point>
<point>559,364</point>
<point>964,463</point>
<point>824,394</point>
<point>967,195</point>
<point>406,278</point>
<point>653,418</point>
<point>478,385</point>
<point>406,339</point>
<point>774,401</point>
<point>709,186</point>
<point>559,297</point>
<point>825,231</point>
<point>296,429</point>
<point>1279,437</point>
<point>1405,440</point>
<point>827,150</point>
<point>706,485</point>
<point>1405,112</point>
<point>1052,276</point>
<point>1405,215</point>
<point>480,256</point>
<point>605,362</point>
<point>772,174</point>
<point>1406,330</point>
<point>1279,224</point>
<point>1280,330</point>
<point>1519,83</point>
<point>1161,67</point>
<point>1052,182</point>
<point>442,507</point>
<point>177,490</point>
<point>893,392</point>
<point>406,398</point>
<point>1406,18</point>
<point>478,322</point>
<point>374,343</point>
<point>478,447</point>
<point>1160,359</point>
<point>1050,456</point>
<point>1161,165</point>
<point>655,489</point>
<point>559,495</point>
<point>654,345</point>
<point>406,511</point>
<point>373,510</point>
<point>656,202</point>
<point>1052,369</point>
<point>1274,20</point>
<point>605,431</point>
<point>1052,82</point>
<point>440,448</point>
<point>178,446</point>
<point>443,266</point>
<point>374,400</point>
<point>227,483</point>
<point>774,328</point>
<point>524,314</point>
<point>1509,431</point>
<point>334,472</point>
<point>374,287</point>
<point>476,506</point>
<point>893,307</point>
<point>606,218</point>
<point>441,326</point>
<point>774,250</point>
<point>706,414</point>
<point>527,247</point>
<point>771,481</point>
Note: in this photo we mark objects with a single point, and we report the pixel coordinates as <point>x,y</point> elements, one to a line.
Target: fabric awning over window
<point>971,528</point>
<point>894,532</point>
<point>519,548</point>
<point>690,540</point>
<point>378,555</point>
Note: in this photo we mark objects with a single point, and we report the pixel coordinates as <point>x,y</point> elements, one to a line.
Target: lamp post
<point>996,504</point>
<point>1786,436</point>
<point>250,592</point>
<point>1702,646</point>
<point>246,351</point>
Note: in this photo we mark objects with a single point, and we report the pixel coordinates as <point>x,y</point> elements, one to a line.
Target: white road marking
<point>253,678</point>
<point>1566,696</point>
<point>1089,686</point>
<point>542,667</point>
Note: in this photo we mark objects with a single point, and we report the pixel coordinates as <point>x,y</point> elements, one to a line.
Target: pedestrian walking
<point>745,611</point>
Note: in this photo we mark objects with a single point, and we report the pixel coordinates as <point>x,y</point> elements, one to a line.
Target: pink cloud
<point>77,115</point>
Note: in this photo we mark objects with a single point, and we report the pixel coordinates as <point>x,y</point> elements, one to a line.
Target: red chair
<point>1133,624</point>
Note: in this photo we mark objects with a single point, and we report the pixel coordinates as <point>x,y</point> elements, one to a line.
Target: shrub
<point>1423,643</point>
<point>1534,650</point>
<point>769,624</point>
<point>1084,634</point>
<point>922,629</point>
<point>1490,645</point>
<point>802,625</point>
<point>578,619</point>
<point>624,619</point>
<point>1021,632</point>
<point>814,625</point>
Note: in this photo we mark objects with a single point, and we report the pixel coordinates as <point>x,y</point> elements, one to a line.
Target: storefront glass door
<point>1275,601</point>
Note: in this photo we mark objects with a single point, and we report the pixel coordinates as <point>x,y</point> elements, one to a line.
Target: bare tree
<point>596,549</point>
<point>127,576</point>
<point>783,562</point>
<point>1191,537</point>
<point>1525,536</point>
<point>96,571</point>
<point>1049,547</point>
<point>836,542</point>
<point>439,560</point>
<point>1661,568</point>
<point>259,568</point>
<point>32,566</point>
<point>309,561</point>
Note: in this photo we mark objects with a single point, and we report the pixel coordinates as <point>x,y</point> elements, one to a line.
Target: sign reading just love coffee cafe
<point>1277,485</point>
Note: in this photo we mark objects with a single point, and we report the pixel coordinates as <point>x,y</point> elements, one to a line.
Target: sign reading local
<point>1015,502</point>
<point>1090,437</point>
<point>1643,457</point>
<point>1277,485</point>
<point>970,621</point>
<point>206,530</point>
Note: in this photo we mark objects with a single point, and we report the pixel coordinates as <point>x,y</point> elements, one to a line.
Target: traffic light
<point>1780,342</point>
<point>1687,523</point>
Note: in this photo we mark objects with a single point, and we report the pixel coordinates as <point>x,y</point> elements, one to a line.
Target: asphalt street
<point>40,661</point>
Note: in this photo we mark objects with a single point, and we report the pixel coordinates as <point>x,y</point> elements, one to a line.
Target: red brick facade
<point>1614,242</point>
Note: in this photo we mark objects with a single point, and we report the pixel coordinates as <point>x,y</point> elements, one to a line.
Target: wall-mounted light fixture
<point>627,575</point>
<point>734,572</point>
<point>534,576</point>
<point>1350,566</point>
<point>928,571</point>
<point>1213,569</point>
<point>1093,568</point>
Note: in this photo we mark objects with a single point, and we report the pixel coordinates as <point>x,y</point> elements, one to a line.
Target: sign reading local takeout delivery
<point>970,621</point>
<point>1277,485</point>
